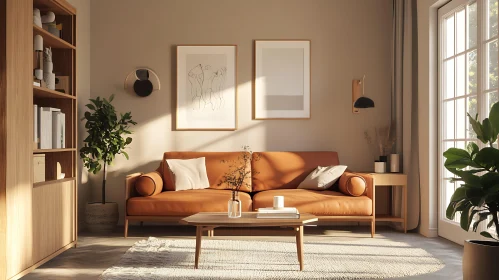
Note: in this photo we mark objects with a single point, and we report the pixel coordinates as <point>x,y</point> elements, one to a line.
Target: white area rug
<point>234,259</point>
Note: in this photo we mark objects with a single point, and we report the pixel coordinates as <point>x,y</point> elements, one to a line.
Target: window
<point>468,67</point>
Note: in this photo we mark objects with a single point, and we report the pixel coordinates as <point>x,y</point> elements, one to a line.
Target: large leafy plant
<point>106,137</point>
<point>478,171</point>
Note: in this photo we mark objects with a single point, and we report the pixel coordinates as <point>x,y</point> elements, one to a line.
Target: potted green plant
<point>477,200</point>
<point>106,139</point>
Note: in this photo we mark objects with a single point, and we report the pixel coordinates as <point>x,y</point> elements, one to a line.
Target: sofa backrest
<point>286,170</point>
<point>215,167</point>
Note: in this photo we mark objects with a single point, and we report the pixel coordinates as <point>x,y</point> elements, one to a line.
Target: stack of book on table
<point>281,213</point>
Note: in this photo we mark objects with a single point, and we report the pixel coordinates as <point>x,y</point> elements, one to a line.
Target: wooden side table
<point>393,180</point>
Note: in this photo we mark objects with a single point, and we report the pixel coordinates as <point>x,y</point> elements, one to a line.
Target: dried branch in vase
<point>239,170</point>
<point>385,138</point>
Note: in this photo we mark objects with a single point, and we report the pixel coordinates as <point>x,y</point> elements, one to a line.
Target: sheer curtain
<point>404,104</point>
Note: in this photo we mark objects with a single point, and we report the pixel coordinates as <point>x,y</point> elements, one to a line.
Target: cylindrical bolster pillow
<point>149,184</point>
<point>352,184</point>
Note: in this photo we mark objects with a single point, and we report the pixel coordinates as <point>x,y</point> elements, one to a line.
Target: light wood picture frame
<point>281,79</point>
<point>206,87</point>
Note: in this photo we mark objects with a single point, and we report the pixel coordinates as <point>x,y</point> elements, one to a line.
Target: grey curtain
<point>404,104</point>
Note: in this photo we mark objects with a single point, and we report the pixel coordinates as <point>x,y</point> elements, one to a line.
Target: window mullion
<point>482,57</point>
<point>455,80</point>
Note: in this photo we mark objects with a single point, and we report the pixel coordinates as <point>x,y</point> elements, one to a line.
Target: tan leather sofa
<point>274,173</point>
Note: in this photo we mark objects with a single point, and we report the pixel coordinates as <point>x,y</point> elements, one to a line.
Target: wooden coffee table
<point>209,221</point>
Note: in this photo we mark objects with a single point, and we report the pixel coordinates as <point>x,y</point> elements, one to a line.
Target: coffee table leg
<point>199,234</point>
<point>299,245</point>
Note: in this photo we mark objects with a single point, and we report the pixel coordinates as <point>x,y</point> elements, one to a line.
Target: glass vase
<point>234,209</point>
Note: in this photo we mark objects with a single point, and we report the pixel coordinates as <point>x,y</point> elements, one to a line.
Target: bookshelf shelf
<point>41,92</point>
<point>50,40</point>
<point>43,151</point>
<point>59,7</point>
<point>39,184</point>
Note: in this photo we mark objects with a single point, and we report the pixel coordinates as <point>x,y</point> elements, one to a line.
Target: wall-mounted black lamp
<point>359,101</point>
<point>142,81</point>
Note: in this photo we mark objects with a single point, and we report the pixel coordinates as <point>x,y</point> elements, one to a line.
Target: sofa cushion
<point>149,184</point>
<point>322,177</point>
<point>321,203</point>
<point>352,184</point>
<point>189,174</point>
<point>184,203</point>
<point>286,170</point>
<point>216,168</point>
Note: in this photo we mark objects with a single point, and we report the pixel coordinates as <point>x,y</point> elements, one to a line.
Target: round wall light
<point>142,81</point>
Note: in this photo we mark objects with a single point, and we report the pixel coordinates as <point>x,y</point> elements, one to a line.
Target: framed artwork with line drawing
<point>281,81</point>
<point>206,87</point>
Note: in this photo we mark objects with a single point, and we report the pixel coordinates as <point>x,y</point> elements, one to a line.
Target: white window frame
<point>446,228</point>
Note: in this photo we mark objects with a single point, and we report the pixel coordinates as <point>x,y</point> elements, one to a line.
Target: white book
<point>63,132</point>
<point>277,216</point>
<point>285,210</point>
<point>45,127</point>
<point>35,123</point>
<point>58,130</point>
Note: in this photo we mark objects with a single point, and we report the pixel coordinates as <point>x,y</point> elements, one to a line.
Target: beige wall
<point>83,90</point>
<point>349,39</point>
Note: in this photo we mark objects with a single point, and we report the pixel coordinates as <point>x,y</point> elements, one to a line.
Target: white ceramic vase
<point>37,19</point>
<point>39,74</point>
<point>49,79</point>
<point>379,167</point>
<point>48,66</point>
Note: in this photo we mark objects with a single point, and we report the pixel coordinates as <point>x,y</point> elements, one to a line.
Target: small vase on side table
<point>234,206</point>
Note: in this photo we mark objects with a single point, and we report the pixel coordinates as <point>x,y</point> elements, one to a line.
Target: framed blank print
<point>206,87</point>
<point>282,79</point>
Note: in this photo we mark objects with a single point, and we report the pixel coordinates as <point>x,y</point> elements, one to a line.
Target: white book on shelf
<point>63,132</point>
<point>35,123</point>
<point>45,126</point>
<point>285,210</point>
<point>58,130</point>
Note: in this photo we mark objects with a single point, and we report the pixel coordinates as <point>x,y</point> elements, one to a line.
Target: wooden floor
<point>96,253</point>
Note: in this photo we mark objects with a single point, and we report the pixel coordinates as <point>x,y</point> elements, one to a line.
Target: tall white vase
<point>49,79</point>
<point>48,66</point>
<point>394,163</point>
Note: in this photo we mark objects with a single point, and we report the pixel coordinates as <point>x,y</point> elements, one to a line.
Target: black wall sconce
<point>359,101</point>
<point>143,81</point>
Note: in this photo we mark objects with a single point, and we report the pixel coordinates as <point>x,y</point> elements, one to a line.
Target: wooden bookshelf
<point>42,217</point>
<point>38,221</point>
<point>50,40</point>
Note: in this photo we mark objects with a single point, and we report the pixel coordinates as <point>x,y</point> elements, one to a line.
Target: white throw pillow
<point>189,174</point>
<point>322,177</point>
